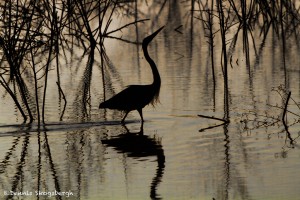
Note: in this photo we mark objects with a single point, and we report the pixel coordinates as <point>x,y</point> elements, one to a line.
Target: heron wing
<point>131,98</point>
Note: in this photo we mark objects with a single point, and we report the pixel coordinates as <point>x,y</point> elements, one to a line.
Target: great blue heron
<point>136,97</point>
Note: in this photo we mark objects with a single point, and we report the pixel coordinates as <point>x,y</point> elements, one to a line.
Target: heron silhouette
<point>136,97</point>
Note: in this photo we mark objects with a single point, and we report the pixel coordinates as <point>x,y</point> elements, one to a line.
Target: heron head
<point>149,38</point>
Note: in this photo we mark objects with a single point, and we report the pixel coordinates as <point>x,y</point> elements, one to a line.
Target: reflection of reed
<point>52,166</point>
<point>39,165</point>
<point>227,161</point>
<point>8,155</point>
<point>230,171</point>
<point>26,170</point>
<point>139,145</point>
<point>17,180</point>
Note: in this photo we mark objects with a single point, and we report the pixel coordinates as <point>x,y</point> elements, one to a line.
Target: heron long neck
<point>156,77</point>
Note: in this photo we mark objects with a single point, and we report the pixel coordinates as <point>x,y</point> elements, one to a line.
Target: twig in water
<point>177,29</point>
<point>211,127</point>
<point>283,119</point>
<point>181,56</point>
<point>215,118</point>
<point>64,97</point>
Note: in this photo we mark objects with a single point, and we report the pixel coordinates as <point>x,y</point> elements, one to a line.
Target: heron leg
<point>141,114</point>
<point>125,117</point>
<point>142,129</point>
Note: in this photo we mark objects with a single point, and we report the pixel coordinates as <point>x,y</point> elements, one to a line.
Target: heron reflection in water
<point>138,145</point>
<point>136,97</point>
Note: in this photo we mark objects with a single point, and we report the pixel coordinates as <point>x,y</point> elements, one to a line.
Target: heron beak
<point>150,37</point>
<point>156,32</point>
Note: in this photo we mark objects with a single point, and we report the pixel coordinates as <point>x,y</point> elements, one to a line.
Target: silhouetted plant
<point>20,33</point>
<point>276,116</point>
<point>34,34</point>
<point>244,16</point>
<point>209,32</point>
<point>223,29</point>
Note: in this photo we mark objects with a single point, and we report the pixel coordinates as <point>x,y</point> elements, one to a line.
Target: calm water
<point>93,156</point>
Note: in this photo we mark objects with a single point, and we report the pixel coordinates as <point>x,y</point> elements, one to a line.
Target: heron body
<point>136,97</point>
